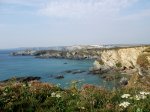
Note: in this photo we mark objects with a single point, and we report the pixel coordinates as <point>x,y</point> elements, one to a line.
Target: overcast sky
<point>34,23</point>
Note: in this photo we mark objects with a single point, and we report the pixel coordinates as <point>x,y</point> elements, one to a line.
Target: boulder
<point>59,77</point>
<point>123,81</point>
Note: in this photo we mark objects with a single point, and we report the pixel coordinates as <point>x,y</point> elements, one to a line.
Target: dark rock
<point>24,53</point>
<point>123,81</point>
<point>104,76</point>
<point>130,67</point>
<point>108,77</point>
<point>59,77</point>
<point>100,71</point>
<point>124,68</point>
<point>22,79</point>
<point>68,71</point>
<point>75,71</point>
<point>78,71</point>
<point>65,63</point>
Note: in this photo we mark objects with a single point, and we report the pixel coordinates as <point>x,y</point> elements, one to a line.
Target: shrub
<point>101,62</point>
<point>143,61</point>
<point>41,97</point>
<point>119,65</point>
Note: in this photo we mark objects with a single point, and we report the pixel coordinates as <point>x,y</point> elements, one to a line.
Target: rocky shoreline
<point>21,79</point>
<point>127,60</point>
<point>74,54</point>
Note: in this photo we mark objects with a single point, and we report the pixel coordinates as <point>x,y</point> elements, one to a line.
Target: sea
<point>49,69</point>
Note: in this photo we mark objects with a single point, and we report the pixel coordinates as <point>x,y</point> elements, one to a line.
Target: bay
<point>48,69</point>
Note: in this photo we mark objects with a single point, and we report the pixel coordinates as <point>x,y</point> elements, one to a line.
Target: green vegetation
<point>119,65</point>
<point>143,60</point>
<point>42,97</point>
<point>101,62</point>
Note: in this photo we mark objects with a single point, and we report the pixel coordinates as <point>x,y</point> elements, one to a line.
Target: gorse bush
<point>42,97</point>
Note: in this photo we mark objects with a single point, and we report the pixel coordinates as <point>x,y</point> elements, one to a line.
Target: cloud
<point>139,15</point>
<point>84,8</point>
<point>74,9</point>
<point>24,2</point>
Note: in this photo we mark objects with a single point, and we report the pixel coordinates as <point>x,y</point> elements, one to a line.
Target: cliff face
<point>125,58</point>
<point>73,54</point>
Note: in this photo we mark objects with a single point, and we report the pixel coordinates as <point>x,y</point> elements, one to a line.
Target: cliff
<point>73,54</point>
<point>124,58</point>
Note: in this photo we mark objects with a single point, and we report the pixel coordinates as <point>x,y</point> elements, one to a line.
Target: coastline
<point>29,94</point>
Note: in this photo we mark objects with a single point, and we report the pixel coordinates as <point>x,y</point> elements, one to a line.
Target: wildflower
<point>53,94</point>
<point>131,98</point>
<point>144,93</point>
<point>58,95</point>
<point>125,96</point>
<point>24,85</point>
<point>143,97</point>
<point>139,110</point>
<point>139,97</point>
<point>29,85</point>
<point>83,108</point>
<point>4,93</point>
<point>124,104</point>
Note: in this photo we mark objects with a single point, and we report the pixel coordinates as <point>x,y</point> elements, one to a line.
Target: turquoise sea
<point>48,69</point>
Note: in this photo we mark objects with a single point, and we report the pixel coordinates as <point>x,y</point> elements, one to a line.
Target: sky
<point>44,23</point>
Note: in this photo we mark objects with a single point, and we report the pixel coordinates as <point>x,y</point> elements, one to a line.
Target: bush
<point>42,97</point>
<point>143,61</point>
<point>119,65</point>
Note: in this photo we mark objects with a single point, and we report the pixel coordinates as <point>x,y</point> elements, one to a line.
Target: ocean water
<point>48,69</point>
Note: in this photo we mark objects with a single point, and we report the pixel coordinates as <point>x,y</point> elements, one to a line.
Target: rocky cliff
<point>124,58</point>
<point>70,54</point>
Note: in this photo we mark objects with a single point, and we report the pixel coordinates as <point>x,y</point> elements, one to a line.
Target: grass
<point>35,96</point>
<point>143,59</point>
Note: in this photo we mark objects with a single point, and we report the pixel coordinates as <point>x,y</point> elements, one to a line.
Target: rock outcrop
<point>24,53</point>
<point>124,58</point>
<point>22,79</point>
<point>74,54</point>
